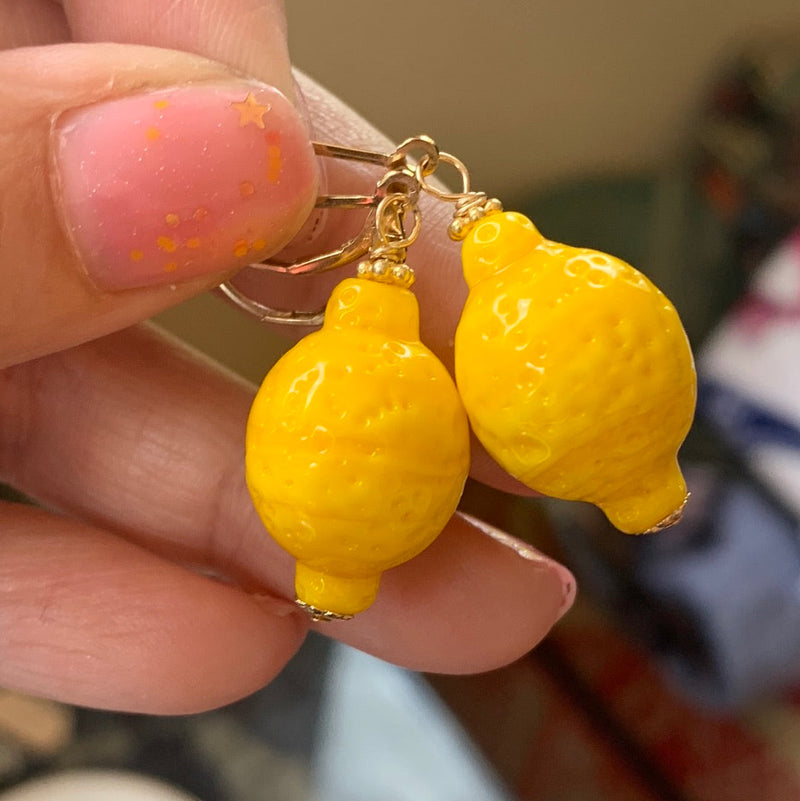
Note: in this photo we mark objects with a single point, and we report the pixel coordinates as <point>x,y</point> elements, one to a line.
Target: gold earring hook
<point>407,171</point>
<point>399,179</point>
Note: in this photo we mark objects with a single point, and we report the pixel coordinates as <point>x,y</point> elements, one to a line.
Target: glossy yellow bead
<point>575,371</point>
<point>357,446</point>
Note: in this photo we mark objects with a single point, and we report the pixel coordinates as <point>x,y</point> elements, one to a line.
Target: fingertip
<point>472,602</point>
<point>155,175</point>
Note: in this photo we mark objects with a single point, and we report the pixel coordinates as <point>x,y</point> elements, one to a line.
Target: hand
<point>145,581</point>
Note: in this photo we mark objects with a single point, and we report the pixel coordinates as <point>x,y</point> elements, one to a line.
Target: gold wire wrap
<point>321,615</point>
<point>386,262</point>
<point>469,206</point>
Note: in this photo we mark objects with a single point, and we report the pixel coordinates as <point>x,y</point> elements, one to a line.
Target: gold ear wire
<point>400,177</point>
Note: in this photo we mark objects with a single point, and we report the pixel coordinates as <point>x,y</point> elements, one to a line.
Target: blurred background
<point>668,134</point>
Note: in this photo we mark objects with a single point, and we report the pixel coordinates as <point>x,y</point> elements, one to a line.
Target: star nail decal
<point>250,110</point>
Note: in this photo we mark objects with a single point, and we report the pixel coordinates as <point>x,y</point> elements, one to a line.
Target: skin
<point>144,580</point>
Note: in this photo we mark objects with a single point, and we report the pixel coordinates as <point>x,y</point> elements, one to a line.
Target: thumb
<point>132,178</point>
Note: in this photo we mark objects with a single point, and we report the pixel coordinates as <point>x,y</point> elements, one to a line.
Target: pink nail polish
<point>161,187</point>
<point>531,554</point>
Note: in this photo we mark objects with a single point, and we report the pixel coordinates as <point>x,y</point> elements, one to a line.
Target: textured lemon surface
<point>357,446</point>
<point>575,371</point>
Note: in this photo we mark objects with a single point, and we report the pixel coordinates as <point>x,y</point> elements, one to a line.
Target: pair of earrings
<point>572,369</point>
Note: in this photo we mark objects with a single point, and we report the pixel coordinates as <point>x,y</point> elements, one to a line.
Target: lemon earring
<point>573,370</point>
<point>357,445</point>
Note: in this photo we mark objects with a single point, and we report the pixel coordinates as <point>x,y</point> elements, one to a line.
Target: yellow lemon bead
<point>357,446</point>
<point>575,371</point>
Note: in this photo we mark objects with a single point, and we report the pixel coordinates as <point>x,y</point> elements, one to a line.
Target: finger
<point>90,619</point>
<point>247,35</point>
<point>131,178</point>
<point>474,601</point>
<point>35,22</point>
<point>158,437</point>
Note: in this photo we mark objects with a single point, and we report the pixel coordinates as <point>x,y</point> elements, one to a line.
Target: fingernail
<point>315,225</point>
<point>169,185</point>
<point>525,551</point>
